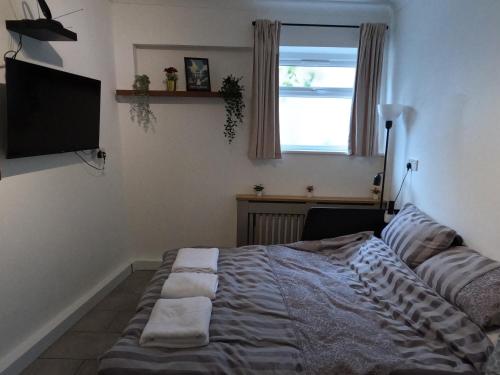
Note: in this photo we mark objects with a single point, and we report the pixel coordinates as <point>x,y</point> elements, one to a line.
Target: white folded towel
<point>178,323</point>
<point>190,284</point>
<point>196,260</point>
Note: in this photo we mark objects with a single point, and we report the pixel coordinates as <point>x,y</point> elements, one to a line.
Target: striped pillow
<point>467,279</point>
<point>447,273</point>
<point>481,301</point>
<point>415,237</point>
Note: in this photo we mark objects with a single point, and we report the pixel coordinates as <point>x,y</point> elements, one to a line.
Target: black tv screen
<point>50,111</point>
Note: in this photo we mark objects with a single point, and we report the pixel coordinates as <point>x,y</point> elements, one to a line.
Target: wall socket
<point>414,164</point>
<point>97,153</point>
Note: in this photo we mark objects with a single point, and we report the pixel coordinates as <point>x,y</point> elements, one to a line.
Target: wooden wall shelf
<point>172,94</point>
<point>303,199</point>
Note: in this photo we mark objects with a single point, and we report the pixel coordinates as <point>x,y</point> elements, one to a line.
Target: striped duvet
<point>342,306</point>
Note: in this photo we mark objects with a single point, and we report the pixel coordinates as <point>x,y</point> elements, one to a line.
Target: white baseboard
<point>21,356</point>
<point>146,265</point>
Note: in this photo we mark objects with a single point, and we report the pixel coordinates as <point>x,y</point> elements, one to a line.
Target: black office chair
<point>333,222</point>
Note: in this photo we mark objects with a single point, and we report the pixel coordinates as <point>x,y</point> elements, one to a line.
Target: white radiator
<point>272,229</point>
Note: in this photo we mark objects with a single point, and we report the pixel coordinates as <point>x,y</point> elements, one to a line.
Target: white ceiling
<point>340,1</point>
<point>367,2</point>
<point>254,4</point>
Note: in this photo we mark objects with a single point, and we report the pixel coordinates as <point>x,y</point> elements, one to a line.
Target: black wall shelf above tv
<point>42,29</point>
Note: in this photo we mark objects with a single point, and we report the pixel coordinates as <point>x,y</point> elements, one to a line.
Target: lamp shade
<point>390,112</point>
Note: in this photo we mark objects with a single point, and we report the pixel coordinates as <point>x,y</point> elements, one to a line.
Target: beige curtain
<point>363,132</point>
<point>265,129</point>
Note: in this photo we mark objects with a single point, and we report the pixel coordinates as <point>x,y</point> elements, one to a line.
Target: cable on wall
<point>15,52</point>
<point>408,169</point>
<point>103,157</point>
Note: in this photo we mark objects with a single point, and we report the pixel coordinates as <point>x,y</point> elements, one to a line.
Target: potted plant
<point>140,110</point>
<point>377,182</point>
<point>375,192</point>
<point>310,191</point>
<point>141,83</point>
<point>259,190</point>
<point>171,80</point>
<point>232,93</point>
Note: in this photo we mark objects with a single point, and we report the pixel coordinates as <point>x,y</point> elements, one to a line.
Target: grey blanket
<point>342,306</point>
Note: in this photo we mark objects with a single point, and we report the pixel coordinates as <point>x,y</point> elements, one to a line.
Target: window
<point>316,90</point>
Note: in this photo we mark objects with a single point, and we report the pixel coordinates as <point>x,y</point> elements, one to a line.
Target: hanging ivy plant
<point>140,110</point>
<point>232,93</point>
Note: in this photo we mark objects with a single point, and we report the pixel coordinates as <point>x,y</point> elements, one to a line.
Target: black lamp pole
<point>388,126</point>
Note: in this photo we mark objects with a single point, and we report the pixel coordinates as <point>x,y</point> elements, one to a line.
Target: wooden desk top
<point>304,199</point>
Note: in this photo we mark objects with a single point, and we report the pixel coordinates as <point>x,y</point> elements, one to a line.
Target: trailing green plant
<point>141,83</point>
<point>232,93</point>
<point>140,110</point>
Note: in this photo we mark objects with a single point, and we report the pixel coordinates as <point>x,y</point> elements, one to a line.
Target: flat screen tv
<point>50,111</point>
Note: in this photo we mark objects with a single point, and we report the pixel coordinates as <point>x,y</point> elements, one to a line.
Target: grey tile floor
<point>76,352</point>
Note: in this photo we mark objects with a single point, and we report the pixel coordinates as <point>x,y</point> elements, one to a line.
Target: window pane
<point>316,89</point>
<point>314,124</point>
<point>314,76</point>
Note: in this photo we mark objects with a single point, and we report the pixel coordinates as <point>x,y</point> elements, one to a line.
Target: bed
<point>346,305</point>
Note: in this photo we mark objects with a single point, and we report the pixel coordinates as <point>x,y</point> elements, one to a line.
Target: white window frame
<point>316,92</point>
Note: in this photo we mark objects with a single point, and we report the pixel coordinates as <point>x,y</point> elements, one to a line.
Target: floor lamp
<point>388,113</point>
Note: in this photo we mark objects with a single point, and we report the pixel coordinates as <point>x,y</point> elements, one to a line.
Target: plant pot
<point>375,196</point>
<point>259,193</point>
<point>171,85</point>
<point>309,194</point>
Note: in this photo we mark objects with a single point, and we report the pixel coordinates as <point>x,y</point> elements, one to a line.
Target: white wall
<point>62,228</point>
<point>181,180</point>
<point>446,68</point>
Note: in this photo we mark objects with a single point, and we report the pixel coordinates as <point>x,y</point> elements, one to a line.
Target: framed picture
<point>197,74</point>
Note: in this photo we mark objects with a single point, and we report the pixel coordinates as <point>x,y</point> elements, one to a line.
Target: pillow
<point>468,280</point>
<point>415,237</point>
<point>481,300</point>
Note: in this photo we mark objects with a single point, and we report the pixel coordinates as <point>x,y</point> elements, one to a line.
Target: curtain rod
<point>318,25</point>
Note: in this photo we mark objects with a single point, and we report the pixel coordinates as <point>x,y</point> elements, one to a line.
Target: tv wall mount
<point>44,29</point>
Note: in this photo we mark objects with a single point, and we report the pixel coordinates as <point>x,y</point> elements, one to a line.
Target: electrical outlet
<point>97,153</point>
<point>414,164</point>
